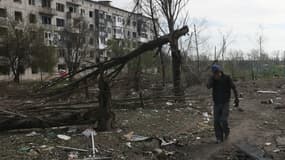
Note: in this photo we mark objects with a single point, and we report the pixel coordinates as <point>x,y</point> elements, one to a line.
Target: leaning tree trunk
<point>106,117</point>
<point>176,67</point>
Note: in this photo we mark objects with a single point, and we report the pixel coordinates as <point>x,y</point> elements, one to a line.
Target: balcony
<point>48,11</point>
<point>74,2</point>
<point>71,15</point>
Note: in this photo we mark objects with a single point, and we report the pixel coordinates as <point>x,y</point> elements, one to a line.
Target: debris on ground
<point>206,117</point>
<point>252,151</point>
<point>169,103</point>
<point>280,140</point>
<point>72,149</point>
<point>32,134</point>
<point>73,156</point>
<point>63,137</point>
<point>270,101</point>
<point>267,92</point>
<point>135,138</point>
<point>165,143</point>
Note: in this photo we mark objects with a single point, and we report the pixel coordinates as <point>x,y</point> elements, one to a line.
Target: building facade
<point>104,20</point>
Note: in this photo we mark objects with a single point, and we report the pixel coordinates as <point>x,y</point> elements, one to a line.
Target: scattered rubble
<point>267,92</point>
<point>63,137</point>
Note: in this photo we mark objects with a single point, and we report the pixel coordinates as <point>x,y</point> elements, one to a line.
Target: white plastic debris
<point>206,117</point>
<point>268,144</point>
<point>276,150</point>
<point>155,110</point>
<point>32,134</point>
<point>198,138</point>
<point>135,138</point>
<point>164,143</point>
<point>88,132</point>
<point>119,130</point>
<point>169,103</point>
<point>43,146</point>
<point>128,144</point>
<point>63,137</point>
<point>267,92</point>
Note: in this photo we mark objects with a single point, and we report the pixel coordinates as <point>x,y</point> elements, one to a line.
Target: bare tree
<point>149,8</point>
<point>171,10</point>
<point>21,44</point>
<point>75,41</point>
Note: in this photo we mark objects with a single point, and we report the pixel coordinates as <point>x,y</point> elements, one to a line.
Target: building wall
<point>109,22</point>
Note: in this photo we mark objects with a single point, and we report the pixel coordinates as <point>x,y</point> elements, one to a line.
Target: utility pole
<point>223,50</point>
<point>215,56</point>
<point>197,49</point>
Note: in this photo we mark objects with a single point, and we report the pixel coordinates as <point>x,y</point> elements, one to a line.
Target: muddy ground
<point>260,124</point>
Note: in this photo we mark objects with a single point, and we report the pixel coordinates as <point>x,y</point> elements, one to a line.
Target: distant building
<point>108,22</point>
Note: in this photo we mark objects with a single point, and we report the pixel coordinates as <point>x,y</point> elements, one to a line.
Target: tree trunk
<point>176,67</point>
<point>106,116</point>
<point>17,76</point>
<point>197,50</point>
<point>162,67</point>
<point>137,76</point>
<point>86,89</point>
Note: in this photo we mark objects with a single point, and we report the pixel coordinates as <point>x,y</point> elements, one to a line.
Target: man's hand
<point>237,105</point>
<point>236,102</point>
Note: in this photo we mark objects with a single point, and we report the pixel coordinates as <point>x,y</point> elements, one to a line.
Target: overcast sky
<point>243,18</point>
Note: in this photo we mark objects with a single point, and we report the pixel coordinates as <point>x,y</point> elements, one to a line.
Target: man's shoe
<point>219,141</point>
<point>227,136</point>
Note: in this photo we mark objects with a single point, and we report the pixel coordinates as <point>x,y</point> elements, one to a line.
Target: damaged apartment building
<point>104,20</point>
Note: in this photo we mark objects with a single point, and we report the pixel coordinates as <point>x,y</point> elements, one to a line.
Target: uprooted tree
<point>103,73</point>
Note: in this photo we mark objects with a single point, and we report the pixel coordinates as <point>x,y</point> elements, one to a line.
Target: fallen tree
<point>106,71</point>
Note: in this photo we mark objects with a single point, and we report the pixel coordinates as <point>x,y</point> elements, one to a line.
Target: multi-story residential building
<point>107,21</point>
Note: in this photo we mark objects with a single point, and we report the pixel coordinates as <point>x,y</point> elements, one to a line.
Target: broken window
<point>60,7</point>
<point>33,18</point>
<point>109,18</point>
<point>91,26</point>
<point>18,16</point>
<point>134,35</point>
<point>3,31</point>
<point>60,22</point>
<point>82,12</point>
<point>90,14</point>
<point>32,2</point>
<point>61,52</point>
<point>61,67</point>
<point>46,20</point>
<point>3,12</point>
<point>46,3</point>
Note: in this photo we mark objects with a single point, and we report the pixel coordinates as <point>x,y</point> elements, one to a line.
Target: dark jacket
<point>222,89</point>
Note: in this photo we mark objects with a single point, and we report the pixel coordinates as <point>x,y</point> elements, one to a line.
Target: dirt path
<point>244,128</point>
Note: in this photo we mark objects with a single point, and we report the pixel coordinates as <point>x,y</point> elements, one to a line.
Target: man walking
<point>222,85</point>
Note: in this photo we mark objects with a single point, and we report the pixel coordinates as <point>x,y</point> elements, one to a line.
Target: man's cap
<point>216,68</point>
